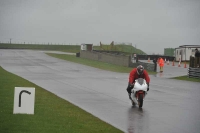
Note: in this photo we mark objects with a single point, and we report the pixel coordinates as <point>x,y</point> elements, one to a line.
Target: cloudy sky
<point>150,25</point>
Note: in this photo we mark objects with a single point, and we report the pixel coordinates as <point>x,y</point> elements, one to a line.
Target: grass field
<point>52,114</point>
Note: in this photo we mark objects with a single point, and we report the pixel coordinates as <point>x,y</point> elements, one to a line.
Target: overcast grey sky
<point>151,25</point>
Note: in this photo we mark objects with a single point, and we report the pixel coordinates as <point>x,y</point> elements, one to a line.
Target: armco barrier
<point>193,72</point>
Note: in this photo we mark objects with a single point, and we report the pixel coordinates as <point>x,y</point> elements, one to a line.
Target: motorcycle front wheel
<point>140,100</point>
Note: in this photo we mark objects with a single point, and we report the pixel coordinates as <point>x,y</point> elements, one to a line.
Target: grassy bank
<point>96,64</point>
<point>52,114</point>
<point>186,78</point>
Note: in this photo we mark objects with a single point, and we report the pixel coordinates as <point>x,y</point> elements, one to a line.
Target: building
<point>87,47</point>
<point>184,52</point>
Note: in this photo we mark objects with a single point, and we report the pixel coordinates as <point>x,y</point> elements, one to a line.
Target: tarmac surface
<point>171,106</point>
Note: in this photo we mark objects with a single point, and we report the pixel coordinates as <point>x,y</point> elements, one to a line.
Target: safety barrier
<point>111,58</point>
<point>193,72</point>
<point>194,62</point>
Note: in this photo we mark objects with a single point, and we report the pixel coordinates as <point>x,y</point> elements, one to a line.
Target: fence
<point>193,72</point>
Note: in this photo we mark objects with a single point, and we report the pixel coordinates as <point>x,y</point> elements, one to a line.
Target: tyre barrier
<point>194,72</point>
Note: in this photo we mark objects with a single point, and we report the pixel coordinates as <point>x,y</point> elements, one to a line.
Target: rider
<point>136,73</point>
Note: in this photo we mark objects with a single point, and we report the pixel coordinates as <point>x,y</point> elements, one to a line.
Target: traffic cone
<point>179,64</point>
<point>168,62</point>
<point>173,64</point>
<point>148,59</point>
<point>185,65</point>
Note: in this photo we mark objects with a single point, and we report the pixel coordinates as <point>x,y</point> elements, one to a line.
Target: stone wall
<point>116,59</point>
<point>106,57</point>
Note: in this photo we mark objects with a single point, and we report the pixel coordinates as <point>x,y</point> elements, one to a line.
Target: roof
<point>86,44</point>
<point>189,46</point>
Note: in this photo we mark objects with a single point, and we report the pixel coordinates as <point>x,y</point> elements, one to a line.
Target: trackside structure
<point>183,52</point>
<point>114,58</point>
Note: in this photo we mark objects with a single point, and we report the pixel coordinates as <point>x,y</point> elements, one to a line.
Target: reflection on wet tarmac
<point>137,120</point>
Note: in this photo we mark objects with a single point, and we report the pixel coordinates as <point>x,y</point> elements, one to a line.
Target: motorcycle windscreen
<point>141,81</point>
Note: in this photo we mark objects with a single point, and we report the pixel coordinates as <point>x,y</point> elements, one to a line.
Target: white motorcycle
<point>139,92</point>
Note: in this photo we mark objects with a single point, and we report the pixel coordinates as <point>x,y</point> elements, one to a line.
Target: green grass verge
<point>187,78</point>
<point>93,63</point>
<point>52,114</point>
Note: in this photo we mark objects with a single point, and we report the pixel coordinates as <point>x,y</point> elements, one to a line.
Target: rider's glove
<point>131,85</point>
<point>147,86</point>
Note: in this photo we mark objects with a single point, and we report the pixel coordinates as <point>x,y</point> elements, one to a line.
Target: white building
<point>87,47</point>
<point>184,52</point>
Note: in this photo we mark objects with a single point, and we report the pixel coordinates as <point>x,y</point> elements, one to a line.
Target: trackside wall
<point>116,59</point>
<point>121,60</point>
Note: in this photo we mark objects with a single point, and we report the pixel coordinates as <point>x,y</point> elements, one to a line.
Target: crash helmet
<point>140,70</point>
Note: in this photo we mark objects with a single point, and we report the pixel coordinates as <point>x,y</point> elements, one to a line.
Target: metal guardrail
<point>193,72</point>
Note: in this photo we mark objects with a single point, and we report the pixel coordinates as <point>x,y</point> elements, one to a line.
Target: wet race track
<point>171,106</point>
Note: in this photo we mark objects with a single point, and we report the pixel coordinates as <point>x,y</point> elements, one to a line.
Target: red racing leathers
<point>134,75</point>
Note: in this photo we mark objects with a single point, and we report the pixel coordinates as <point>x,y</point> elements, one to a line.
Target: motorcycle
<point>139,92</point>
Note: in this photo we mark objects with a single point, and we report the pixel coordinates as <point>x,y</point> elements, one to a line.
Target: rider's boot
<point>129,94</point>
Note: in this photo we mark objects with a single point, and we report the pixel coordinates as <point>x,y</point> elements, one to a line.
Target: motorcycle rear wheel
<point>140,100</point>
